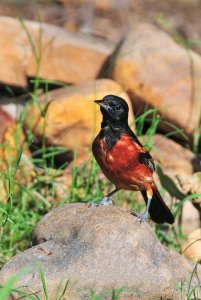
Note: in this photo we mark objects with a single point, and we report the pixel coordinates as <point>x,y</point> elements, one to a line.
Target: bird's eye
<point>118,107</point>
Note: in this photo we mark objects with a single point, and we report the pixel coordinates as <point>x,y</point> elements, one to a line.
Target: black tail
<point>159,212</point>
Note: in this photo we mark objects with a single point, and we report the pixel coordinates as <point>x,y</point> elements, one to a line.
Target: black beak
<point>98,102</point>
<point>102,104</point>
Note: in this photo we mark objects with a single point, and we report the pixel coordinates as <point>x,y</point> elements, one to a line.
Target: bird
<point>125,161</point>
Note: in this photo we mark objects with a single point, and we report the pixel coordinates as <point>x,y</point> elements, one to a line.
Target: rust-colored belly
<point>121,164</point>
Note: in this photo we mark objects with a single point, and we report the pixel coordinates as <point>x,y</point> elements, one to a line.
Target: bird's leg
<point>145,214</point>
<point>106,200</point>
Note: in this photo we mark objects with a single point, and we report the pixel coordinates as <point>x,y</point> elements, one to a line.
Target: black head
<point>113,109</point>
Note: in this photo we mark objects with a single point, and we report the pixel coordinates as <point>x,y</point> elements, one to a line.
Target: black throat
<point>112,131</point>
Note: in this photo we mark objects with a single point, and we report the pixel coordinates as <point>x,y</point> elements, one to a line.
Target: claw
<point>143,217</point>
<point>104,201</point>
<point>92,204</point>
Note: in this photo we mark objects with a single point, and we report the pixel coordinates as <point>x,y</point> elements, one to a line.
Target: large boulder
<point>157,72</point>
<point>37,49</point>
<point>100,249</point>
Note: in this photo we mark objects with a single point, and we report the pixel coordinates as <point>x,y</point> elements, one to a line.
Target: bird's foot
<point>143,217</point>
<point>91,204</point>
<point>104,201</point>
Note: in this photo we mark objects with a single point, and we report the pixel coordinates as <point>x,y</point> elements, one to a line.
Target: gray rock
<point>101,249</point>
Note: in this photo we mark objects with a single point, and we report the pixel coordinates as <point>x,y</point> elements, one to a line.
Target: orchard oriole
<point>124,161</point>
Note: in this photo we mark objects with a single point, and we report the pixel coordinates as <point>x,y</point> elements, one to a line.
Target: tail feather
<point>159,212</point>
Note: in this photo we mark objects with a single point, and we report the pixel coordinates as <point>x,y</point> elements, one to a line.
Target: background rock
<point>166,78</point>
<point>191,184</point>
<point>100,248</point>
<point>190,218</point>
<point>5,121</point>
<point>12,141</point>
<point>110,19</point>
<point>173,158</point>
<point>192,247</point>
<point>74,57</point>
<point>72,119</point>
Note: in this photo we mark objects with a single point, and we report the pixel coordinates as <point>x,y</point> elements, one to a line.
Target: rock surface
<point>192,247</point>
<point>5,121</point>
<point>173,158</point>
<point>190,219</point>
<point>99,248</point>
<point>191,185</point>
<point>166,78</point>
<point>74,57</point>
<point>12,140</point>
<point>110,19</point>
<point>72,119</point>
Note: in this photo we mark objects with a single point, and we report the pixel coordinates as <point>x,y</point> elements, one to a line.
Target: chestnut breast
<point>120,164</point>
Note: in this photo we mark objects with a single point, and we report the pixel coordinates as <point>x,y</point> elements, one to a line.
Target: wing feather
<point>146,158</point>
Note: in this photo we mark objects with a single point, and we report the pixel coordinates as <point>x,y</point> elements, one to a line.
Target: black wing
<point>144,157</point>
